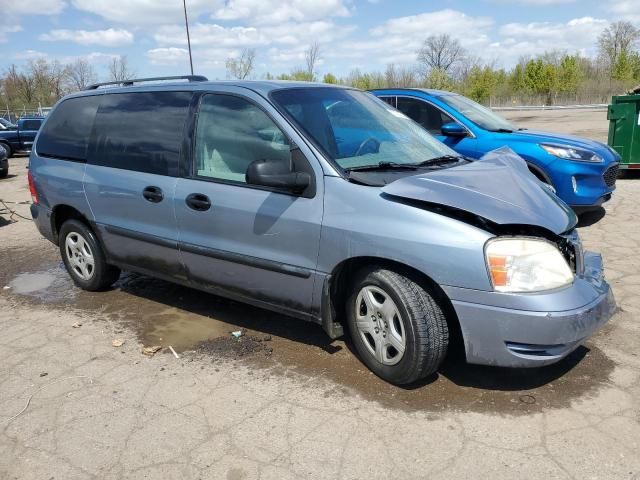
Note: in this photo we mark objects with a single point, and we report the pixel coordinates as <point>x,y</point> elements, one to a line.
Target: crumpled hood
<point>498,187</point>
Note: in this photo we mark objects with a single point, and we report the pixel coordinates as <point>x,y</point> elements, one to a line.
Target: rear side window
<point>430,117</point>
<point>66,133</point>
<point>140,131</point>
<point>31,124</point>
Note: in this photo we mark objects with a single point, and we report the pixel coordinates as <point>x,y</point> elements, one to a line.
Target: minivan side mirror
<point>453,129</point>
<point>276,174</point>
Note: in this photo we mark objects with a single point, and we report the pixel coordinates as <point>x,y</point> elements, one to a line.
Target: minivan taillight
<point>32,189</point>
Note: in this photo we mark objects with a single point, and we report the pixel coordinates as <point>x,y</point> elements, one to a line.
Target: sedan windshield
<point>481,116</point>
<point>355,129</point>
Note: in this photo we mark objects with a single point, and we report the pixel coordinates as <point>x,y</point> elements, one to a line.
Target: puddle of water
<point>161,313</point>
<point>52,285</point>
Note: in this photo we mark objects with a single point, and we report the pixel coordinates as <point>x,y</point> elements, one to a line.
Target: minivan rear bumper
<point>499,329</point>
<point>42,218</point>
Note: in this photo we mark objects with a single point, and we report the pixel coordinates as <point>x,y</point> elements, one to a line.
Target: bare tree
<point>119,69</point>
<point>441,53</point>
<point>80,74</point>
<point>311,56</point>
<point>617,40</point>
<point>241,67</point>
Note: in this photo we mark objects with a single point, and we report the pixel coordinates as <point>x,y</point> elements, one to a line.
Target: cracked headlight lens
<point>526,265</point>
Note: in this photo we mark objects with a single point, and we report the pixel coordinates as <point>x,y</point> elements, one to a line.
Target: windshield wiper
<point>383,166</point>
<point>439,160</point>
<point>502,130</point>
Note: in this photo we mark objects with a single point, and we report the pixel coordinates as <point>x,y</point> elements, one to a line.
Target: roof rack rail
<point>131,82</point>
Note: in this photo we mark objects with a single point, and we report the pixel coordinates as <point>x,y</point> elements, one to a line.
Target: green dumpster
<point>624,129</point>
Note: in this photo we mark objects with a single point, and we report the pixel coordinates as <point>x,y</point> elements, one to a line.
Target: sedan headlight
<point>571,153</point>
<point>526,265</point>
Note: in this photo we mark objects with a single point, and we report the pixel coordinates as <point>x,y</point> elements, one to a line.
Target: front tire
<point>84,259</point>
<point>399,330</point>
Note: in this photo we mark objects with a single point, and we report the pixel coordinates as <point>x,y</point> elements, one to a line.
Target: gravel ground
<point>283,402</point>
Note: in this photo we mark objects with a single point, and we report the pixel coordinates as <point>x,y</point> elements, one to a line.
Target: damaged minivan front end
<point>503,248</point>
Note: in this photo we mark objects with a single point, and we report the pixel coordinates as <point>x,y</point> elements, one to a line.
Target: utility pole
<point>186,23</point>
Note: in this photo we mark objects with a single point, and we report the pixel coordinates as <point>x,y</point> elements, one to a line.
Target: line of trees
<point>41,83</point>
<point>556,76</point>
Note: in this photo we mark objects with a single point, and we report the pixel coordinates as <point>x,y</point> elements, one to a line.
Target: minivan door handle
<point>153,194</point>
<point>198,202</point>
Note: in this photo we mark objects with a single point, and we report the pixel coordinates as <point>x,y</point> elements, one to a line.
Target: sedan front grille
<point>611,174</point>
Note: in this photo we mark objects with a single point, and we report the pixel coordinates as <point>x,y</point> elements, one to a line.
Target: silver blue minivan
<point>323,203</point>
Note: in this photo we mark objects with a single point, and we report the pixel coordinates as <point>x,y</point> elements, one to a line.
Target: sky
<point>363,34</point>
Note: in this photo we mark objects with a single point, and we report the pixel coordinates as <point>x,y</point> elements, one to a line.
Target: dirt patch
<point>231,348</point>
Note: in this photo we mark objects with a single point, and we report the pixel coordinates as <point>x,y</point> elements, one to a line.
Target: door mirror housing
<point>277,174</point>
<point>453,129</point>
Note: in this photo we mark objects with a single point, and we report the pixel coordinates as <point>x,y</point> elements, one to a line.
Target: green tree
<point>481,83</point>
<point>330,78</point>
<point>438,79</point>
<point>569,74</point>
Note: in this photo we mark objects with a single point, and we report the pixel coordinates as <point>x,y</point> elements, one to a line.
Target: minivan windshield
<point>481,116</point>
<point>356,130</point>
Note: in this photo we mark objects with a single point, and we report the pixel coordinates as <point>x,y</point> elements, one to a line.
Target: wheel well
<point>342,277</point>
<point>62,213</point>
<point>540,175</point>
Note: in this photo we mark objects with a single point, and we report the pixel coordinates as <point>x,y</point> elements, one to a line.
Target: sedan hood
<point>498,187</point>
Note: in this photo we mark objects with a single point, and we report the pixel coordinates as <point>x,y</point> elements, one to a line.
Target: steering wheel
<point>364,144</point>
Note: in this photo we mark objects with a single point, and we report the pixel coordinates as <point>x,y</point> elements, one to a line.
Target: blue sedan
<point>582,171</point>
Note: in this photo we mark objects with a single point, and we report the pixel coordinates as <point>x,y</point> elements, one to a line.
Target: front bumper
<point>531,330</point>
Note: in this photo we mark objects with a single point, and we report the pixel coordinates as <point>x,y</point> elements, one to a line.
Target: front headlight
<point>571,153</point>
<point>526,265</point>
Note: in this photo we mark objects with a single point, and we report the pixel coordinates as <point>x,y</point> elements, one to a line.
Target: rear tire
<point>84,259</point>
<point>7,148</point>
<point>4,173</point>
<point>399,330</point>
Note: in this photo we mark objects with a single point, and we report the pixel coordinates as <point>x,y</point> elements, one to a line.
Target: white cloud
<point>110,37</point>
<point>279,11</point>
<point>626,10</point>
<point>145,12</point>
<point>540,3</point>
<point>33,7</point>
<point>168,56</point>
<point>5,30</point>
<point>577,35</point>
<point>398,39</point>
<point>30,55</point>
<point>214,35</point>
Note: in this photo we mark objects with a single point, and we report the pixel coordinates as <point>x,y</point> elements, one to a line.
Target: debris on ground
<point>118,342</point>
<point>44,374</point>
<point>175,354</point>
<point>6,287</point>
<point>233,348</point>
<point>150,351</point>
<point>76,325</point>
<point>237,334</point>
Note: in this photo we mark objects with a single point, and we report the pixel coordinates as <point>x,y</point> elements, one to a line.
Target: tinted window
<point>233,132</point>
<point>390,100</point>
<point>481,116</point>
<point>31,124</point>
<point>430,117</point>
<point>140,131</point>
<point>66,133</point>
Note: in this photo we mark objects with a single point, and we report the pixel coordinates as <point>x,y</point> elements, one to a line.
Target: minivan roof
<point>263,87</point>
